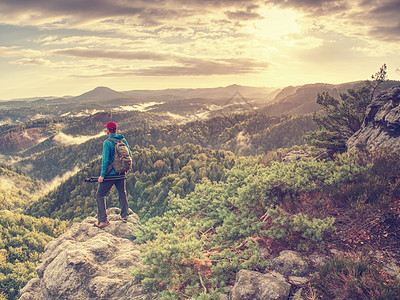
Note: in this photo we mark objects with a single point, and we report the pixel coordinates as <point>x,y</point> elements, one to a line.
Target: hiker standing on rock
<point>116,160</point>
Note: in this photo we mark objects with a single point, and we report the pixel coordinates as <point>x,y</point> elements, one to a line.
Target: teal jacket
<point>108,153</point>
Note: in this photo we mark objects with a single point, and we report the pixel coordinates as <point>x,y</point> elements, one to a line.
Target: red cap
<point>111,125</point>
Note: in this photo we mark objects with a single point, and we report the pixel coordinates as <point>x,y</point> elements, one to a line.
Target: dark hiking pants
<point>103,190</point>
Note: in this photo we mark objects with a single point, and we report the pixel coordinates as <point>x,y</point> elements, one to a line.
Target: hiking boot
<point>102,224</point>
<point>124,219</point>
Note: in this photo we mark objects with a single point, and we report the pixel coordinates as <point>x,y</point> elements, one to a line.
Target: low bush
<point>298,231</point>
<point>354,277</point>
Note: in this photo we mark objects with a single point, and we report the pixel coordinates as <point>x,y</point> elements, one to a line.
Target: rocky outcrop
<point>381,126</point>
<point>286,273</point>
<point>90,263</point>
<point>252,285</point>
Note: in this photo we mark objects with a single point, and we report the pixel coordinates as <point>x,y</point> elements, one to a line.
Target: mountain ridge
<point>104,93</point>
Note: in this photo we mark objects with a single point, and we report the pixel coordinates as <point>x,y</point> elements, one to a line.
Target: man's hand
<point>101,179</point>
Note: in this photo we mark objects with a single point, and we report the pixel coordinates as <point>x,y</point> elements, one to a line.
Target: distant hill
<point>100,93</point>
<point>302,99</point>
<point>265,93</point>
<point>106,99</point>
<point>185,104</point>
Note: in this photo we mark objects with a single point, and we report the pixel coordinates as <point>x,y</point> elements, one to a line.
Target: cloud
<point>178,16</point>
<point>65,11</point>
<point>266,41</point>
<point>115,15</point>
<point>35,62</point>
<point>66,139</point>
<point>314,7</point>
<point>196,67</point>
<point>385,18</point>
<point>384,8</point>
<point>112,54</point>
<point>64,14</point>
<point>15,51</point>
<point>362,18</point>
<point>387,33</point>
<point>56,182</point>
<point>243,143</point>
<point>7,183</point>
<point>98,41</point>
<point>60,12</point>
<point>244,15</point>
<point>10,51</point>
<point>157,16</point>
<point>337,49</point>
<point>137,107</point>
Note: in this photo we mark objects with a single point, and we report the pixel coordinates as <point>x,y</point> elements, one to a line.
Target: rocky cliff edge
<point>90,263</point>
<point>381,126</point>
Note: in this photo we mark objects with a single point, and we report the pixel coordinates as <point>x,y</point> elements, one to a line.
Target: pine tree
<point>341,118</point>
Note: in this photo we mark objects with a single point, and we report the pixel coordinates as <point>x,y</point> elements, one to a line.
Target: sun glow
<point>276,24</point>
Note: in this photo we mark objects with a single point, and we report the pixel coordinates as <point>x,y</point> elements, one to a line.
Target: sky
<point>60,47</point>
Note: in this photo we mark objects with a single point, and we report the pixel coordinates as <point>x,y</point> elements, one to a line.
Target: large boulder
<point>89,263</point>
<point>381,126</point>
<point>252,285</point>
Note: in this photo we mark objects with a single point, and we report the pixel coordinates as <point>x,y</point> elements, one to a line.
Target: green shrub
<point>221,224</point>
<point>377,184</point>
<point>298,230</point>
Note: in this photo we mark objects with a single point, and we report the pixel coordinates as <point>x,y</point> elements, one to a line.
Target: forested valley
<point>212,193</point>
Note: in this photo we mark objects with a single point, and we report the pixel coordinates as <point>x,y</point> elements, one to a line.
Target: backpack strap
<point>112,140</point>
<point>110,166</point>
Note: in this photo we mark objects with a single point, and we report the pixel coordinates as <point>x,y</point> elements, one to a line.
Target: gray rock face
<point>89,263</point>
<point>252,285</point>
<point>381,126</point>
<point>290,263</point>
